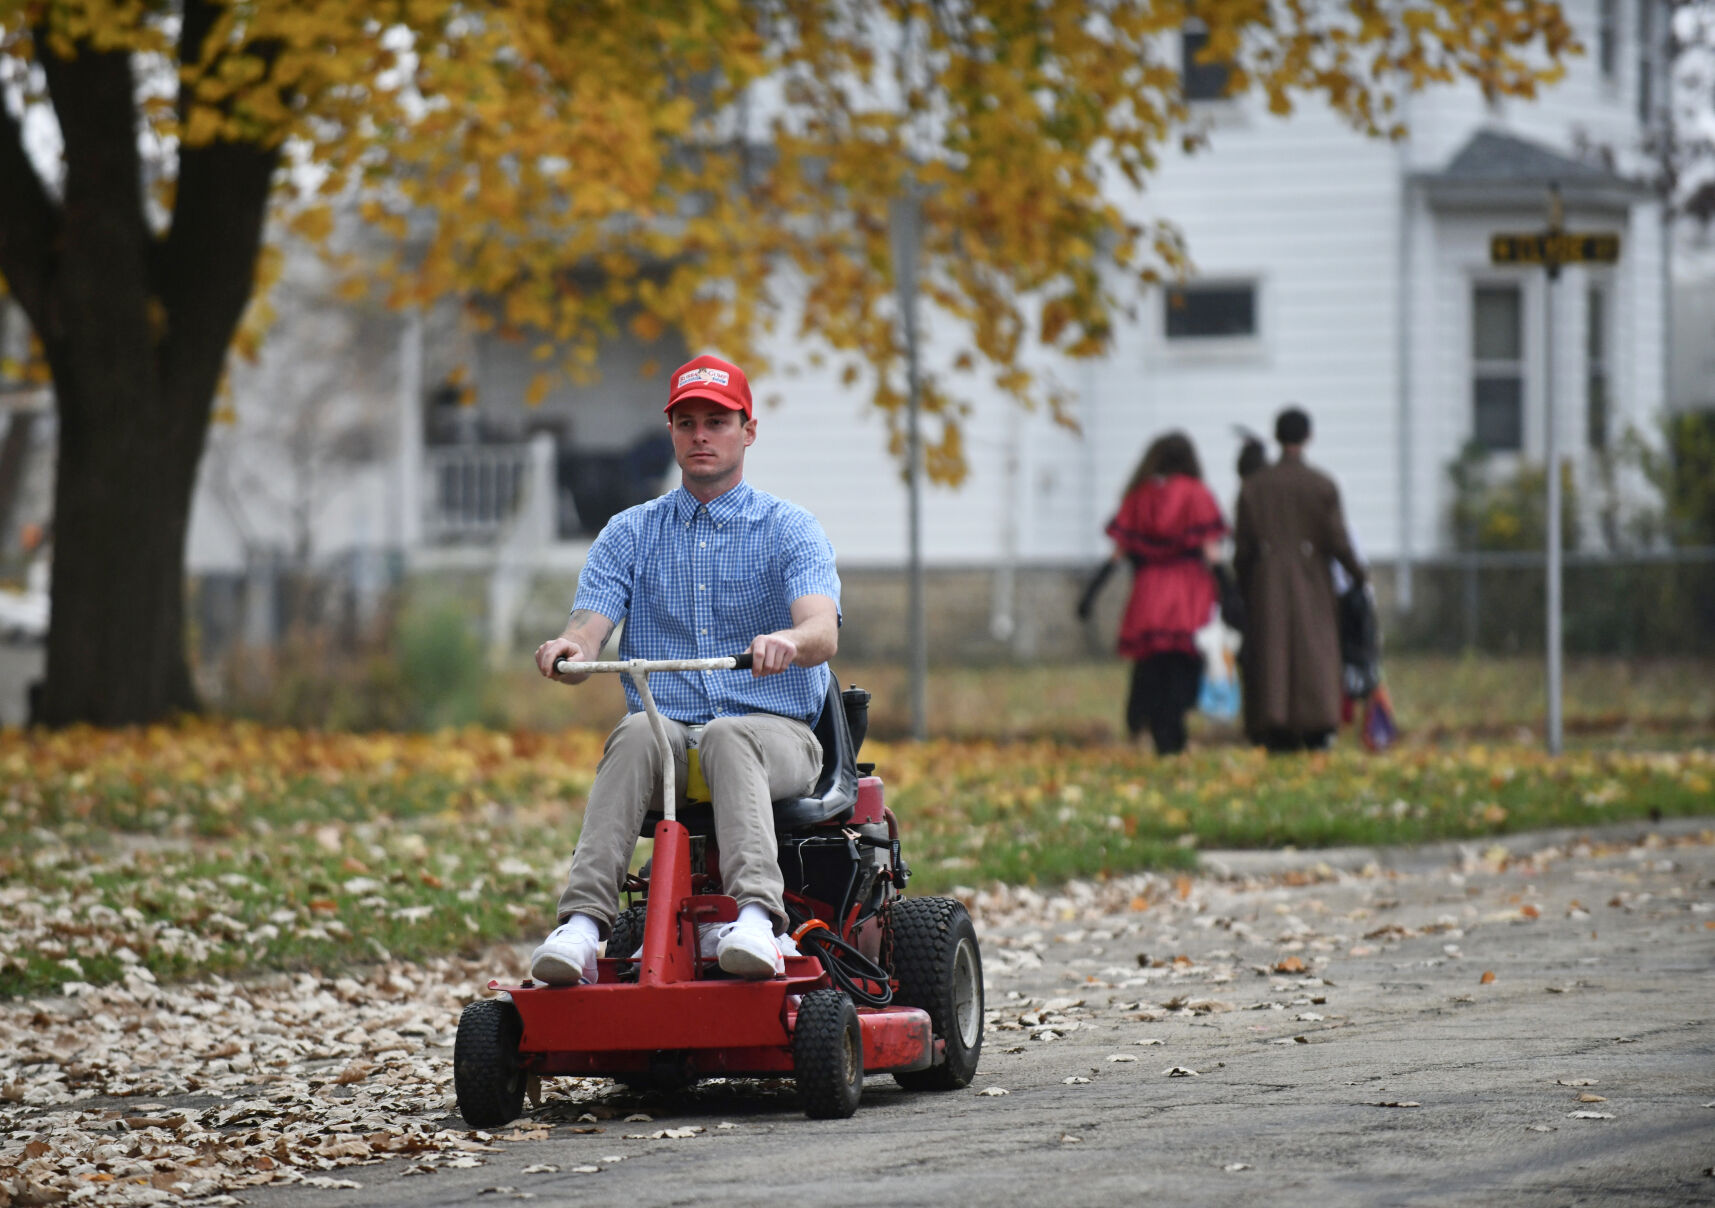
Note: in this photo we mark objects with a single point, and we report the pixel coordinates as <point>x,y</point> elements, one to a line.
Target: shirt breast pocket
<point>744,608</point>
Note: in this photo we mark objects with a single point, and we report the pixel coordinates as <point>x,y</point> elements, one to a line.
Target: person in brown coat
<point>1289,526</point>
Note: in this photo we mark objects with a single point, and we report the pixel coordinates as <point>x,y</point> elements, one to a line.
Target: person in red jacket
<point>1169,528</point>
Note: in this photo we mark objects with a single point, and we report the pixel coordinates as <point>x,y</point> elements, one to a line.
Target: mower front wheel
<point>626,935</point>
<point>940,969</point>
<point>487,1078</point>
<point>827,1055</point>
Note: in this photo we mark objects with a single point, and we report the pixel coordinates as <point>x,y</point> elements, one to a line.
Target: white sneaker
<point>710,935</point>
<point>749,952</point>
<point>566,958</point>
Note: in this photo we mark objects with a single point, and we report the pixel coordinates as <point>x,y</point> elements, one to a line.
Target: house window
<point>1211,311</point>
<point>1596,389</point>
<point>1646,61</point>
<point>1497,367</point>
<point>1199,80</point>
<point>1608,38</point>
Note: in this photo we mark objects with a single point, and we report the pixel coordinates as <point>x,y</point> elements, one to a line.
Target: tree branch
<point>205,269</point>
<point>29,222</point>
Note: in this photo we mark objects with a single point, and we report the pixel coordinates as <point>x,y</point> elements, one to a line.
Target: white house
<point>1348,275</point>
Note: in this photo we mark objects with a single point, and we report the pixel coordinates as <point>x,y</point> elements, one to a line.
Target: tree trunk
<point>136,330</point>
<point>116,644</point>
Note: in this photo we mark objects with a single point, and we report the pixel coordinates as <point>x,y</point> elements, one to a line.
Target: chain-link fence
<point>1656,603</point>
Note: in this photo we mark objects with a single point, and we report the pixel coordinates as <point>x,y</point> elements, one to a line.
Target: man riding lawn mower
<point>774,934</point>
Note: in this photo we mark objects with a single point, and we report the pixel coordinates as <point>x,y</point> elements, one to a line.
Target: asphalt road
<point>1445,1027</point>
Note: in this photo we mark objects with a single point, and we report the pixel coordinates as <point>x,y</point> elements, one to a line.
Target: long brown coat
<point>1289,526</point>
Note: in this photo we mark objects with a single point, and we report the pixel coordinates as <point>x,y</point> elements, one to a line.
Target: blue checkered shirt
<point>694,580</point>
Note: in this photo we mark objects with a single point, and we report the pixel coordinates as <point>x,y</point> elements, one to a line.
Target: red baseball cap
<point>711,378</point>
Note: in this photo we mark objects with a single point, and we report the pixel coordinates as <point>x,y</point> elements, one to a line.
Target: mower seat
<point>831,800</point>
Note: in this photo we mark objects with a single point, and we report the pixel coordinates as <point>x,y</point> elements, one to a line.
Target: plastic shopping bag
<point>1379,729</point>
<point>1218,697</point>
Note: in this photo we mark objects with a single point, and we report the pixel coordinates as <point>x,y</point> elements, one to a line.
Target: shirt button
<point>702,545</point>
<point>702,587</point>
<point>702,631</point>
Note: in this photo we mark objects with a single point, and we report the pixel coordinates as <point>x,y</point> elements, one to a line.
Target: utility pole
<point>1553,248</point>
<point>905,229</point>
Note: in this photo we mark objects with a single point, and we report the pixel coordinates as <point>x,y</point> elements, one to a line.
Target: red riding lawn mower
<point>885,984</point>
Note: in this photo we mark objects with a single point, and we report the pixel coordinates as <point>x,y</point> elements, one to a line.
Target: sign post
<point>1552,248</point>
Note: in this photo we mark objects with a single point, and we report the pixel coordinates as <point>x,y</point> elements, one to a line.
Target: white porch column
<point>408,460</point>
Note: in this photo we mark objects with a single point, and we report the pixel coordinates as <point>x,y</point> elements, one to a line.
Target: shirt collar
<point>723,507</point>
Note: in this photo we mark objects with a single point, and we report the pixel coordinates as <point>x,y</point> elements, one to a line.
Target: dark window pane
<point>1646,61</point>
<point>1498,422</point>
<point>1211,310</point>
<point>1497,323</point>
<point>1607,37</point>
<point>1199,81</point>
<point>1596,327</point>
<point>1596,416</point>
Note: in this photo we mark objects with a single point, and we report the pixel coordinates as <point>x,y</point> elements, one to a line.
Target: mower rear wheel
<point>487,1078</point>
<point>940,969</point>
<point>827,1055</point>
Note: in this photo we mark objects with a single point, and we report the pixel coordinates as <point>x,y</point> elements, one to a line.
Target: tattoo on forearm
<point>584,618</point>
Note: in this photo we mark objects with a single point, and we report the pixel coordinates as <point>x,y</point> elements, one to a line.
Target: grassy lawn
<point>227,847</point>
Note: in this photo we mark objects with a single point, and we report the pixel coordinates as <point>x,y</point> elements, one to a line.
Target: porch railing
<point>474,491</point>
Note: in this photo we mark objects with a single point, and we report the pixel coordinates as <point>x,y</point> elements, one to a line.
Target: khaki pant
<point>749,762</point>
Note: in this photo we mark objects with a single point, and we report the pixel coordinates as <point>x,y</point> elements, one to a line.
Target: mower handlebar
<point>731,662</point>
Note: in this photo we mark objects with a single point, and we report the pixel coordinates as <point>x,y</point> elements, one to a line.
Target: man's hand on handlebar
<point>771,653</point>
<point>555,649</point>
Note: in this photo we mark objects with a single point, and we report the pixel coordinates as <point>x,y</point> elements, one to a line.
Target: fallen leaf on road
<point>1075,1080</point>
<point>1576,1081</point>
<point>1291,964</point>
<point>586,1170</point>
<point>1236,1166</point>
<point>1158,1040</point>
<point>542,1168</point>
<point>1529,911</point>
<point>639,1118</point>
<point>1069,1139</point>
<point>675,1134</point>
<point>1589,1115</point>
<point>1121,1057</point>
<point>1587,1097</point>
<point>1540,1128</point>
<point>1181,1071</point>
<point>1396,1103</point>
<point>726,1124</point>
<point>994,1090</point>
<point>1488,977</point>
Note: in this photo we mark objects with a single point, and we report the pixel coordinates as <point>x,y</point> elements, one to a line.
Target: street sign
<point>1552,248</point>
<point>1555,247</point>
